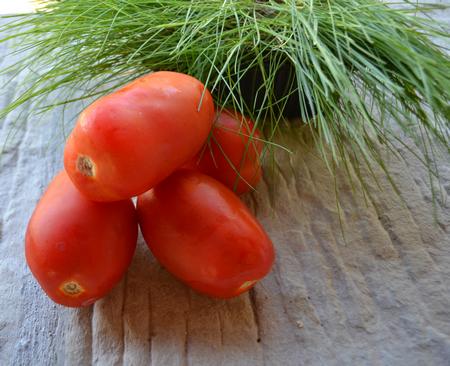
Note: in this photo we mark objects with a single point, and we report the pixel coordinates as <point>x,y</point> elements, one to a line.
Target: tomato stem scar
<point>85,166</point>
<point>71,288</point>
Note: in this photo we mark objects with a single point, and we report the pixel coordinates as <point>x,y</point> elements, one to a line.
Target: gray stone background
<point>379,297</point>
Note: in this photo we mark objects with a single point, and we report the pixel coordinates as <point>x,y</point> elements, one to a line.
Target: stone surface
<point>379,296</point>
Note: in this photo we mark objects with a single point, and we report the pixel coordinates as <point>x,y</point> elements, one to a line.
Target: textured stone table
<point>379,297</point>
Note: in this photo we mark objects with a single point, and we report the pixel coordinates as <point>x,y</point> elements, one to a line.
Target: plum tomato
<point>201,232</point>
<point>126,142</point>
<point>233,153</point>
<point>77,249</point>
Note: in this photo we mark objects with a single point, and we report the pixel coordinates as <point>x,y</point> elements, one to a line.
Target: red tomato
<point>203,234</point>
<point>233,153</point>
<point>77,249</point>
<point>130,140</point>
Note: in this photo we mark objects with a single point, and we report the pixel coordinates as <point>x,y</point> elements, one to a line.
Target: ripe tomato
<point>77,249</point>
<point>126,142</point>
<point>203,234</point>
<point>232,155</point>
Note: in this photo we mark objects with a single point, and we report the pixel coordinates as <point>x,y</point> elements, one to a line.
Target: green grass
<point>359,63</point>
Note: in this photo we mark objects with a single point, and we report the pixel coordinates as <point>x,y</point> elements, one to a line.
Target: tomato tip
<point>246,285</point>
<point>85,166</point>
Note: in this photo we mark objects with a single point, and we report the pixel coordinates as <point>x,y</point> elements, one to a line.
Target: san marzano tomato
<point>127,142</point>
<point>203,234</point>
<point>233,153</point>
<point>78,249</point>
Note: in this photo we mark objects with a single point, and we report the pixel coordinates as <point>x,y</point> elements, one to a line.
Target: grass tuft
<point>354,65</point>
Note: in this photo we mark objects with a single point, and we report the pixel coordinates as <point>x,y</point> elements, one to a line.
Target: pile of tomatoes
<point>158,138</point>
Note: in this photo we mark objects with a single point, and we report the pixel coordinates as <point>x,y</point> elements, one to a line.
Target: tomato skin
<point>235,146</point>
<point>204,235</point>
<point>126,142</point>
<point>78,250</point>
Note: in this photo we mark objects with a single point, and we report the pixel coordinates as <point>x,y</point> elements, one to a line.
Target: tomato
<point>77,249</point>
<point>233,154</point>
<point>204,235</point>
<point>126,142</point>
